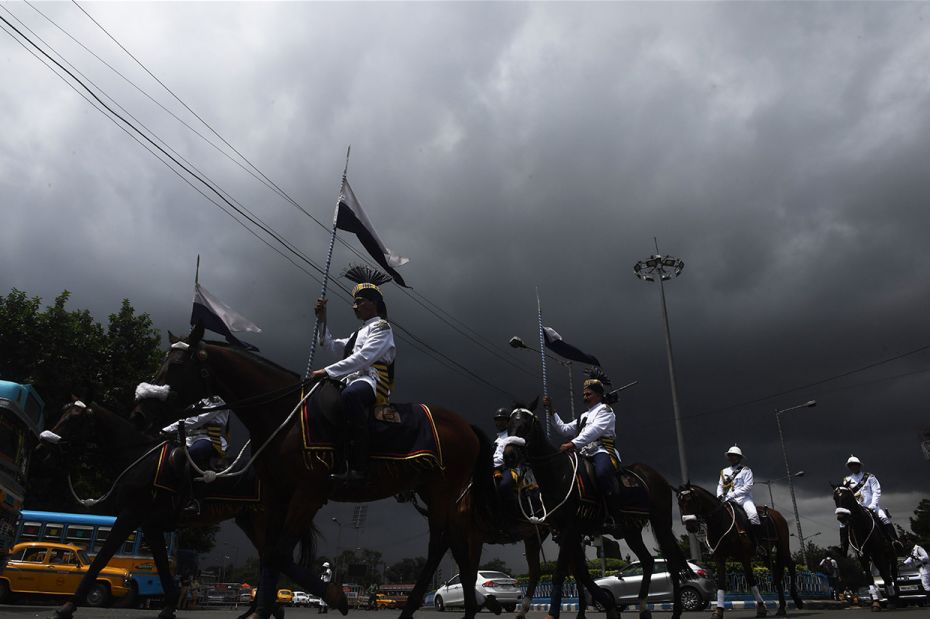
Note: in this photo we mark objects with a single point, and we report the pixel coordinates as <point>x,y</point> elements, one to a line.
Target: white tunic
<point>920,558</point>
<point>375,343</point>
<point>499,449</point>
<point>870,493</point>
<point>586,431</point>
<point>741,488</point>
<point>195,428</point>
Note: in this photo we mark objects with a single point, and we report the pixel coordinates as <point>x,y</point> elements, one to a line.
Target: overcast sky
<point>780,149</point>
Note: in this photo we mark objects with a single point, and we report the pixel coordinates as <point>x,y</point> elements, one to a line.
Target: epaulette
<point>381,325</point>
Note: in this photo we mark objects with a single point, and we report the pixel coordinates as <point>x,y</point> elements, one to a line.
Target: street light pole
<point>794,499</point>
<point>769,482</point>
<point>662,268</point>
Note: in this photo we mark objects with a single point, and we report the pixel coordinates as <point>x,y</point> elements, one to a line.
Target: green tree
<point>405,570</point>
<point>495,565</point>
<point>920,522</point>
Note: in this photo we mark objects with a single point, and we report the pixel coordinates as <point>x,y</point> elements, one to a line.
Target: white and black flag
<point>351,218</point>
<point>556,344</point>
<point>220,318</point>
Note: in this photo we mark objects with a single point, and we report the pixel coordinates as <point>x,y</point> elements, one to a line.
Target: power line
<point>431,307</point>
<point>420,344</point>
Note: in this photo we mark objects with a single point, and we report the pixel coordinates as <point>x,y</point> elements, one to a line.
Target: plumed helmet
<point>853,460</point>
<point>326,564</point>
<point>367,282</point>
<point>502,413</point>
<point>735,451</point>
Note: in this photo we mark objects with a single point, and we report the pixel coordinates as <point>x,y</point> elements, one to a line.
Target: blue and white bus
<point>89,532</point>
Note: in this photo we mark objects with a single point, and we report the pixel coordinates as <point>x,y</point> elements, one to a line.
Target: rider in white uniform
<point>736,485</point>
<point>868,492</point>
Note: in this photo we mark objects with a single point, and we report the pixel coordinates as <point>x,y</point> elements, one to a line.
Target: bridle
<point>686,518</point>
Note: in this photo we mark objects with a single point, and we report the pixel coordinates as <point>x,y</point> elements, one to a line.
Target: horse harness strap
<point>856,488</point>
<point>727,480</point>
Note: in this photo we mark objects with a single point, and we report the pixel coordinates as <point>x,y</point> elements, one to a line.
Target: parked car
<point>695,593</point>
<point>301,598</point>
<point>45,568</point>
<point>498,584</point>
<point>285,596</point>
<point>910,589</point>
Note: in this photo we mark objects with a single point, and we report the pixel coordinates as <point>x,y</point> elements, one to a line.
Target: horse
<point>697,505</point>
<point>265,397</point>
<point>133,458</point>
<point>557,473</point>
<point>862,530</point>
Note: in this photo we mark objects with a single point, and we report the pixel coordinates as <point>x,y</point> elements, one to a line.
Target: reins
<point>713,549</point>
<point>546,512</point>
<point>92,502</point>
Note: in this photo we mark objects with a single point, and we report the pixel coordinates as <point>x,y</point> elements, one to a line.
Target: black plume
<point>597,373</point>
<point>366,275</point>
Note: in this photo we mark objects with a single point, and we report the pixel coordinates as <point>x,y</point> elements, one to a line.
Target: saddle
<point>174,474</point>
<point>742,523</point>
<point>633,495</point>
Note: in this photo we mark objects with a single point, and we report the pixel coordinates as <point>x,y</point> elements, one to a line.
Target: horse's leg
<point>873,590</point>
<point>583,577</point>
<point>125,524</point>
<point>468,572</point>
<point>438,545</point>
<point>634,539</point>
<point>885,570</point>
<point>761,611</point>
<point>675,560</point>
<point>720,560</point>
<point>156,540</point>
<point>566,543</point>
<point>582,598</point>
<point>778,581</point>
<point>531,547</point>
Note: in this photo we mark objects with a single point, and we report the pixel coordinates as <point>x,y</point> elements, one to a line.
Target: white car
<point>301,598</point>
<point>695,592</point>
<point>501,586</point>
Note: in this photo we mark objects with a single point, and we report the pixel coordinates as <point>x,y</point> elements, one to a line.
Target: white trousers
<point>924,572</point>
<point>883,516</point>
<point>750,508</point>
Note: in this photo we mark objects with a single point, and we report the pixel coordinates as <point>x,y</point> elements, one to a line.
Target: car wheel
<point>438,604</point>
<point>510,607</point>
<point>691,599</point>
<point>98,595</point>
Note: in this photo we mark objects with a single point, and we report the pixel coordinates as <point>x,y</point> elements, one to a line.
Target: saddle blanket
<point>400,432</point>
<point>245,488</point>
<point>634,495</point>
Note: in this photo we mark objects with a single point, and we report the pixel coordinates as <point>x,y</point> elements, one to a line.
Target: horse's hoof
<point>493,605</point>
<point>645,614</point>
<point>334,596</point>
<point>876,607</point>
<point>782,611</point>
<point>612,613</point>
<point>717,614</point>
<point>762,611</point>
<point>166,613</point>
<point>66,611</point>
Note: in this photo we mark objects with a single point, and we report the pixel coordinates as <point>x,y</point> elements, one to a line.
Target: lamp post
<point>517,342</point>
<point>338,540</point>
<point>661,268</point>
<point>769,482</point>
<point>784,452</point>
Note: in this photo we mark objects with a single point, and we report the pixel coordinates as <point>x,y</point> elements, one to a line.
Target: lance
<point>319,327</point>
<point>542,355</point>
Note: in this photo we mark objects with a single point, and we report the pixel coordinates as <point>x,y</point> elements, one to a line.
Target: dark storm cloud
<point>778,148</point>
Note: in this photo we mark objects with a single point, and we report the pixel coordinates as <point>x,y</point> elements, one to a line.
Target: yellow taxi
<point>45,568</point>
<point>285,596</point>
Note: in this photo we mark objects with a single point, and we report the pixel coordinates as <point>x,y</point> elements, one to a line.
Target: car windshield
<point>83,557</point>
<point>495,575</point>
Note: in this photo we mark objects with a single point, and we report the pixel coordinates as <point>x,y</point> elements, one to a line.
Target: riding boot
<point>357,465</point>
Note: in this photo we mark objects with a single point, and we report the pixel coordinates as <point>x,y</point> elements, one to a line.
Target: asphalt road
<point>23,612</point>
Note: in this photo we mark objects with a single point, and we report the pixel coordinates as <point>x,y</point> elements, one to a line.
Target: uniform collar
<point>502,434</point>
<point>856,476</point>
<point>371,321</point>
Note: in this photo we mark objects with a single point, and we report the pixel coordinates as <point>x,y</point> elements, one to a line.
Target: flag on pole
<point>220,318</point>
<point>351,218</point>
<point>556,344</point>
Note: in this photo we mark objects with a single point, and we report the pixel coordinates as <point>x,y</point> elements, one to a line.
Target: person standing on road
<point>830,568</point>
<point>326,576</point>
<point>919,558</point>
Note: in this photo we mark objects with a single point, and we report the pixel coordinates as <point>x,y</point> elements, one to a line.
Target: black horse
<point>861,529</point>
<point>556,473</point>
<point>725,540</point>
<point>118,450</point>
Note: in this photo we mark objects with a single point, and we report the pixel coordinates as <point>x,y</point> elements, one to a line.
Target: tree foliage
<point>920,523</point>
<point>404,571</point>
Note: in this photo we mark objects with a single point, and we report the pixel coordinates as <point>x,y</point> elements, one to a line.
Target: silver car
<point>503,587</point>
<point>696,592</point>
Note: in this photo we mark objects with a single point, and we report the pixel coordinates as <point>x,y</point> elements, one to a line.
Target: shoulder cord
<point>211,476</point>
<point>713,549</point>
<point>546,512</point>
<point>92,502</point>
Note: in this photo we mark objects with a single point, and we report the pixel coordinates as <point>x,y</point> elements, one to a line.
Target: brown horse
<point>263,395</point>
<point>556,473</point>
<point>862,530</point>
<point>111,444</point>
<point>725,539</point>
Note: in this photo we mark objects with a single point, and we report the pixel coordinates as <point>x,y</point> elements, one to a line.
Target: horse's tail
<point>307,544</point>
<point>482,481</point>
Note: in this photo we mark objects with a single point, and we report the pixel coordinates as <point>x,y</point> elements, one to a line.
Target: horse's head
<point>183,379</point>
<point>523,424</point>
<point>687,505</point>
<point>73,434</point>
<point>845,501</point>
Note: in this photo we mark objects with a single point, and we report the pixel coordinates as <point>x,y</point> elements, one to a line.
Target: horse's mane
<point>130,427</point>
<point>703,492</point>
<point>253,356</point>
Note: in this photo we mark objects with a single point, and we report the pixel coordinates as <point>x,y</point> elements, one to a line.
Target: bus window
<point>30,532</point>
<point>79,535</point>
<point>129,546</point>
<point>52,533</point>
<point>101,537</point>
